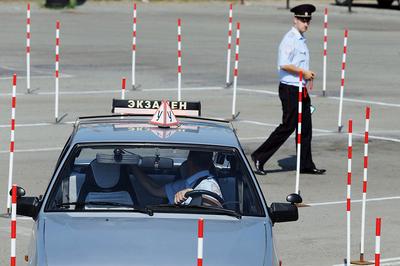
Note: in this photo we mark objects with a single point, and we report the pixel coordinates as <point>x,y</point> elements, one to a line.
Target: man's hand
<point>308,75</point>
<point>180,196</point>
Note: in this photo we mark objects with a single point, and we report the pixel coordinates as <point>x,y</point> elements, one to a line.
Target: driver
<point>198,177</point>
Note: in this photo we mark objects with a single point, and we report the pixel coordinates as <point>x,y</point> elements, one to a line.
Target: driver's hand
<point>180,196</point>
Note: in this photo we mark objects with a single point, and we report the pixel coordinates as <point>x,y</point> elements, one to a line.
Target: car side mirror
<point>286,212</point>
<point>26,206</point>
<point>283,212</point>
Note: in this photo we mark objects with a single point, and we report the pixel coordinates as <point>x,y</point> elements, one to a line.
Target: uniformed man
<point>293,58</point>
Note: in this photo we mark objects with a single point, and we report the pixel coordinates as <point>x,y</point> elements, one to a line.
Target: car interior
<point>95,177</point>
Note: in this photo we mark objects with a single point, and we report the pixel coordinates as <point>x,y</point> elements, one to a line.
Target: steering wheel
<point>198,193</point>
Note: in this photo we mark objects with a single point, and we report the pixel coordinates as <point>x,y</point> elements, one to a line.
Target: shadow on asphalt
<point>286,164</point>
<point>394,6</point>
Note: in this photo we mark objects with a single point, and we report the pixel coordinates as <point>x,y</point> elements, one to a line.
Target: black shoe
<point>258,169</point>
<point>313,171</point>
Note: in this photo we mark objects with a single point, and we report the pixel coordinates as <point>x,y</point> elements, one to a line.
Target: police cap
<point>303,11</point>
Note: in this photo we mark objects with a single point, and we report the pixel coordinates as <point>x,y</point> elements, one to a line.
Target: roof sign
<point>148,107</point>
<point>164,117</point>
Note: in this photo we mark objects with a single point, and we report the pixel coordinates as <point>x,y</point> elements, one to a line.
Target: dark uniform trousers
<point>289,98</point>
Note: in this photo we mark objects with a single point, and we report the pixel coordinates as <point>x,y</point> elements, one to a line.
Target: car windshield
<point>138,178</point>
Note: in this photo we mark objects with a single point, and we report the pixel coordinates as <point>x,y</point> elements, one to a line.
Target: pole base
<point>31,91</point>
<point>340,128</point>
<point>323,93</point>
<point>362,261</point>
<point>233,117</point>
<point>228,85</point>
<point>136,87</point>
<point>58,120</point>
<point>7,214</point>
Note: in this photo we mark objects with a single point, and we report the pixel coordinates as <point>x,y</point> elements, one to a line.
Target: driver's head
<point>200,160</point>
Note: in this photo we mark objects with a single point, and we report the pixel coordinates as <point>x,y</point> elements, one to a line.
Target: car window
<point>129,178</point>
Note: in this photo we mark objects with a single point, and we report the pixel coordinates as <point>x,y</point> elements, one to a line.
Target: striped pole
<point>28,48</point>
<point>57,68</point>
<point>228,57</point>
<point>299,120</point>
<point>365,181</point>
<point>179,59</point>
<point>325,49</point>
<point>348,209</point>
<point>234,115</point>
<point>340,126</point>
<point>378,242</point>
<point>200,235</point>
<point>123,88</point>
<point>134,47</point>
<point>13,225</point>
<point>12,138</point>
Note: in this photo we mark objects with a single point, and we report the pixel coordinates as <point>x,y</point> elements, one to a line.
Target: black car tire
<point>385,3</point>
<point>342,2</point>
<point>56,3</point>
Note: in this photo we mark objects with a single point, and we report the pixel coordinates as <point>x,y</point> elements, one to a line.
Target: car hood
<point>162,239</point>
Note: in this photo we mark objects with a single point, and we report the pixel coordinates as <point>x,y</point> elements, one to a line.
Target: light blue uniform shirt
<point>172,188</point>
<point>293,51</point>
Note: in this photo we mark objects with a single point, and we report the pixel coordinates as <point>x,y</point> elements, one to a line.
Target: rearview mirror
<point>157,162</point>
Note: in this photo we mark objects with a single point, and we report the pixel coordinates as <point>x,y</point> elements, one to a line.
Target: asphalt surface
<point>95,54</point>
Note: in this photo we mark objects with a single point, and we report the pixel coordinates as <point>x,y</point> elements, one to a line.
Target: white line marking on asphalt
<point>265,137</point>
<point>62,76</point>
<point>35,124</point>
<point>34,150</point>
<point>329,97</point>
<point>114,91</point>
<point>192,89</point>
<point>320,130</point>
<point>368,102</point>
<point>353,201</point>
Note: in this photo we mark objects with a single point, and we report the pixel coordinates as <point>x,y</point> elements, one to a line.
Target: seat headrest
<point>106,175</point>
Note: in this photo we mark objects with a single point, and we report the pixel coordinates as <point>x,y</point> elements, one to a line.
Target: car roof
<point>127,128</point>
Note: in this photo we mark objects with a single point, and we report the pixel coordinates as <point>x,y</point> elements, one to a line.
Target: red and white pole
<point>57,68</point>
<point>28,48</point>
<point>340,126</point>
<point>12,139</point>
<point>228,57</point>
<point>235,73</point>
<point>134,47</point>
<point>348,208</point>
<point>123,88</point>
<point>378,242</point>
<point>325,49</point>
<point>365,181</point>
<point>200,236</point>
<point>179,59</point>
<point>13,225</point>
<point>299,121</point>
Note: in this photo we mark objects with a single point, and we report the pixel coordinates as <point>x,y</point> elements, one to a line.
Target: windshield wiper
<point>101,203</point>
<point>209,209</point>
<point>107,203</point>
